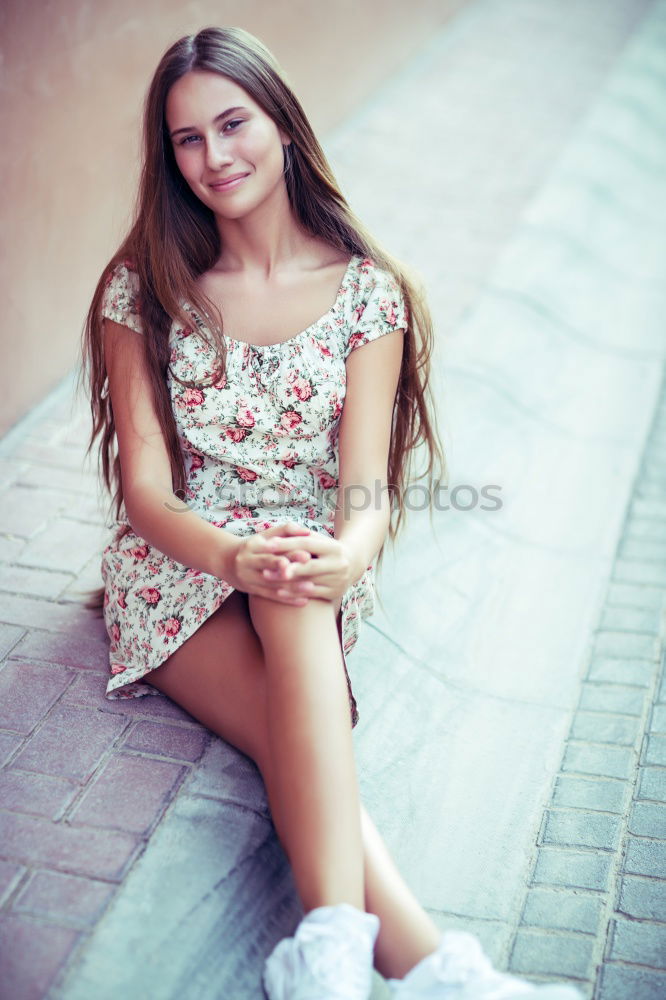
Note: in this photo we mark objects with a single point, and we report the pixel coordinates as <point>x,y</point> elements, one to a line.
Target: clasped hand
<point>291,564</point>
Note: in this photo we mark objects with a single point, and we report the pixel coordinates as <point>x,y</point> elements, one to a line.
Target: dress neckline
<point>232,341</point>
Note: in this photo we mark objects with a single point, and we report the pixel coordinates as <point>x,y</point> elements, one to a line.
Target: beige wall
<point>73,74</point>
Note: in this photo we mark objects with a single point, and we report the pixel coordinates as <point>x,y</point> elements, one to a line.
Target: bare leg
<point>311,749</point>
<point>227,693</point>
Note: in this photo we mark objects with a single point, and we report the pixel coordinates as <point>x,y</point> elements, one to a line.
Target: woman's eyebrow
<point>192,128</point>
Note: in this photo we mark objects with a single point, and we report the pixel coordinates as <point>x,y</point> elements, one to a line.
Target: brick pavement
<point>595,906</point>
<point>92,789</point>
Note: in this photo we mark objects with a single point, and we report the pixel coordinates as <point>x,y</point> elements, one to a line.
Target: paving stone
<point>604,727</point>
<point>48,948</point>
<point>635,595</point>
<point>539,953</point>
<point>10,873</point>
<point>648,508</point>
<point>65,546</point>
<point>25,511</point>
<point>646,528</point>
<point>27,691</point>
<point>10,635</point>
<point>652,784</point>
<point>612,698</point>
<point>640,943</point>
<point>59,479</point>
<point>130,793</point>
<point>580,828</point>
<point>638,673</point>
<point>10,548</point>
<point>635,571</point>
<point>645,857</point>
<point>34,841</point>
<point>181,742</point>
<point>643,549</point>
<point>71,742</point>
<point>83,648</point>
<point>573,869</point>
<point>604,794</point>
<point>28,611</point>
<point>37,582</point>
<point>648,819</point>
<point>36,794</point>
<point>655,749</point>
<point>608,761</point>
<point>62,897</point>
<point>8,744</point>
<point>632,619</point>
<point>88,689</point>
<point>644,898</point>
<point>625,645</point>
<point>658,720</point>
<point>562,910</point>
<point>621,982</point>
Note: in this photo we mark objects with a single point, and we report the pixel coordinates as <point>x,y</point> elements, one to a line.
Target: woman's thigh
<point>218,676</point>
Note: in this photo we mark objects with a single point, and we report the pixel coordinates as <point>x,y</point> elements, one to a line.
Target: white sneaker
<point>330,957</point>
<point>459,970</point>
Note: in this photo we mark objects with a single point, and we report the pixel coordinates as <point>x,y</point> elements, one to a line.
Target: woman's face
<point>218,132</point>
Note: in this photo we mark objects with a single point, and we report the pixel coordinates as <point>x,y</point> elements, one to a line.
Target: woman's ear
<point>284,138</point>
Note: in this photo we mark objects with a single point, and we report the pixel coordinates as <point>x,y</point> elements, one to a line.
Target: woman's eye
<point>186,140</point>
<point>234,121</point>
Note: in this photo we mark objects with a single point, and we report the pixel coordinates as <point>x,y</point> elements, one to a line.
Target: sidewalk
<point>512,738</point>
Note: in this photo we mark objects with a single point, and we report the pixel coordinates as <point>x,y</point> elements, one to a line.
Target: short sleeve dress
<point>260,448</point>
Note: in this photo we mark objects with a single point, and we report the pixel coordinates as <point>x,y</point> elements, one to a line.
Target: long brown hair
<point>174,239</point>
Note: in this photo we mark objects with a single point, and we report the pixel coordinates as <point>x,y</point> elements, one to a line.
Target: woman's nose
<point>217,155</point>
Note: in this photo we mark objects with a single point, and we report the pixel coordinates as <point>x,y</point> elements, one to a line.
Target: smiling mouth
<point>231,182</point>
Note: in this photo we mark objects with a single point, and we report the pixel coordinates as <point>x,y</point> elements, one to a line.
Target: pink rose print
<point>290,419</point>
<point>239,512</point>
<point>248,475</point>
<point>302,388</point>
<point>324,349</point>
<point>121,600</point>
<point>221,382</point>
<point>356,315</point>
<point>189,398</point>
<point>168,627</point>
<point>105,602</point>
<point>290,461</point>
<point>235,433</point>
<point>114,633</point>
<point>150,595</point>
<point>140,552</point>
<point>118,668</point>
<point>388,308</point>
<point>196,461</point>
<point>325,480</point>
<point>245,418</point>
<point>355,340</point>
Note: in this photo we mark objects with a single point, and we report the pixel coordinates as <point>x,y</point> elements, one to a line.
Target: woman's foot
<point>459,970</point>
<point>330,957</point>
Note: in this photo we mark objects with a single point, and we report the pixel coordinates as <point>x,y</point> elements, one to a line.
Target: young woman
<point>261,455</point>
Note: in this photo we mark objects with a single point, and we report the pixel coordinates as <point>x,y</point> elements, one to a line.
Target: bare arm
<point>363,511</point>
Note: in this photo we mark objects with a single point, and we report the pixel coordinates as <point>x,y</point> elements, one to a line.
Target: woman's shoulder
<point>121,301</point>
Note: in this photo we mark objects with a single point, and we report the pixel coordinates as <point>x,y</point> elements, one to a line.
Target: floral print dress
<point>260,448</point>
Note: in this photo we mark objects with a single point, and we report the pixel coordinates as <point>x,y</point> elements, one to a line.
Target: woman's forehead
<point>205,95</point>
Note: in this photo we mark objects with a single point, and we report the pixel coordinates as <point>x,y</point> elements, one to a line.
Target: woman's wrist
<point>223,556</point>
